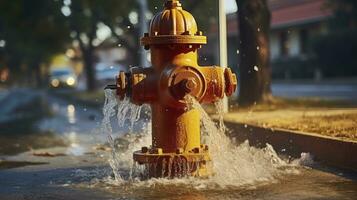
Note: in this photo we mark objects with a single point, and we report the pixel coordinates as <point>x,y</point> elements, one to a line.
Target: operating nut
<point>189,85</point>
<point>172,4</point>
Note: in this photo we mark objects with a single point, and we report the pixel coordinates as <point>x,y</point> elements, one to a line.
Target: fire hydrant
<point>173,40</point>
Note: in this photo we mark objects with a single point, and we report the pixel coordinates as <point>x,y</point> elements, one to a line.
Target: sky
<point>231,6</point>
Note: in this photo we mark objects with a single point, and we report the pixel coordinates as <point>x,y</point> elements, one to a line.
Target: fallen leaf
<point>48,154</point>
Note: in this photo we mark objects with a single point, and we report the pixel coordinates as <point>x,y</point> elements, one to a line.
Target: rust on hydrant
<point>173,40</point>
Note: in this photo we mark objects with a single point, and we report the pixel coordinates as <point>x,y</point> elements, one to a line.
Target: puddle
<point>6,164</point>
<point>12,145</point>
<point>21,110</point>
<point>308,184</point>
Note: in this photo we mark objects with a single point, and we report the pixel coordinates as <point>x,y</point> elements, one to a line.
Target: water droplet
<point>2,43</point>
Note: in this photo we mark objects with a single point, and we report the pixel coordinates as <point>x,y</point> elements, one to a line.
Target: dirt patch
<point>278,103</point>
<point>340,123</point>
<point>341,126</point>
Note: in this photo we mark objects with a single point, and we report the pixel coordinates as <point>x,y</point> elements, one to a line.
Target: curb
<point>327,150</point>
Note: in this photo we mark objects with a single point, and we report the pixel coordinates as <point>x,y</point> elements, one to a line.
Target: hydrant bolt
<point>179,151</point>
<point>144,149</point>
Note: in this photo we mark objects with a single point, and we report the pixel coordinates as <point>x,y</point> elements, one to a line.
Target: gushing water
<point>121,161</point>
<point>233,165</point>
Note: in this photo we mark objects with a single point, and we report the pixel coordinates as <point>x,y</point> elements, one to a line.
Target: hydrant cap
<point>173,26</point>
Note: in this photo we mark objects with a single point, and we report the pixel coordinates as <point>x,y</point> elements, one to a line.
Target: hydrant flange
<point>177,164</point>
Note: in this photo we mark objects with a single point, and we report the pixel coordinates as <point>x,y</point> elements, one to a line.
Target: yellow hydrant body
<point>173,40</point>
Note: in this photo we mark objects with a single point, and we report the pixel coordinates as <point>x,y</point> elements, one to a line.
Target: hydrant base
<point>172,165</point>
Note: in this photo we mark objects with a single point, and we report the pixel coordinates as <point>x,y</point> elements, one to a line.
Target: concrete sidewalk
<point>329,135</point>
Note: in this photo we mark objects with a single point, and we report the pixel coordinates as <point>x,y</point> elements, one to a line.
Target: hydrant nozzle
<point>173,40</point>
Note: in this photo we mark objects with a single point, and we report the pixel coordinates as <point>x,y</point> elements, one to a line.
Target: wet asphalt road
<point>62,123</point>
<point>76,124</point>
<point>89,181</point>
<point>81,173</point>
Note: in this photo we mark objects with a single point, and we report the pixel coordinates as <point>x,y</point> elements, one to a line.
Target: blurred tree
<point>345,13</point>
<point>254,67</point>
<point>93,21</point>
<point>118,18</point>
<point>331,53</point>
<point>32,31</point>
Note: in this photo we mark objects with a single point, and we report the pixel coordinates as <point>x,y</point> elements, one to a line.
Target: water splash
<point>121,160</point>
<point>109,112</point>
<point>234,165</point>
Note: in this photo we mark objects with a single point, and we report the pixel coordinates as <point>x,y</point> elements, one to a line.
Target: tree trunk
<point>34,68</point>
<point>89,69</point>
<point>38,76</point>
<point>255,71</point>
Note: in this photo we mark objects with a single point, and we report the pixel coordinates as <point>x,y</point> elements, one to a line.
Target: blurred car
<point>63,77</point>
<point>105,74</point>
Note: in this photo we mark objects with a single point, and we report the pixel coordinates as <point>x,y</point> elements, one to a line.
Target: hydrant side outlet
<point>173,40</point>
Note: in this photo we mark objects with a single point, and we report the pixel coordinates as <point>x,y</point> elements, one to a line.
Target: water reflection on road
<point>41,119</point>
<point>90,183</point>
<point>79,124</point>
